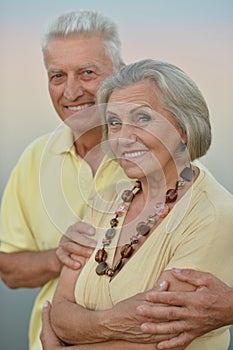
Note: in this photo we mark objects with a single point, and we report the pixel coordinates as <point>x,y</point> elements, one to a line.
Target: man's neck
<point>88,147</point>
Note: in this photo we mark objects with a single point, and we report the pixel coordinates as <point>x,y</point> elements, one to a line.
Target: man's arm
<point>191,314</point>
<point>28,269</point>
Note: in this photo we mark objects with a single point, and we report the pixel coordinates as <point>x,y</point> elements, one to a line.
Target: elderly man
<point>56,176</point>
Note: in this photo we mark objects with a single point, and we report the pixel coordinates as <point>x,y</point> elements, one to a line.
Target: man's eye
<point>56,78</point>
<point>89,72</point>
<point>59,75</point>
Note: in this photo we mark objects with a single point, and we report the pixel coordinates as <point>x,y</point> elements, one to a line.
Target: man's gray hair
<point>178,94</point>
<point>87,22</point>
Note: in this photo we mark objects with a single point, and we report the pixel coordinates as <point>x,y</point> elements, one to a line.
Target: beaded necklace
<point>143,228</point>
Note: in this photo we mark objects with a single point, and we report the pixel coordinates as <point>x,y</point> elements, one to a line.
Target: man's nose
<point>73,89</point>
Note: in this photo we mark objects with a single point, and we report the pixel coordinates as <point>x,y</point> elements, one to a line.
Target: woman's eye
<point>143,118</point>
<point>114,122</point>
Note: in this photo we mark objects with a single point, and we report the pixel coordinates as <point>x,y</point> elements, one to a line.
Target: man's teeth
<point>80,108</point>
<point>133,154</point>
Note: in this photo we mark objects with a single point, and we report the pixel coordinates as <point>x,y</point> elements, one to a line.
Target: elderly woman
<point>173,215</point>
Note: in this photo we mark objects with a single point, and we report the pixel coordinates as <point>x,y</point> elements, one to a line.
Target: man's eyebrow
<point>88,65</point>
<point>54,70</point>
<point>85,66</point>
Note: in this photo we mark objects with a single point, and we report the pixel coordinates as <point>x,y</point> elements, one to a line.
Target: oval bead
<point>101,268</point>
<point>171,195</point>
<point>142,228</point>
<point>101,255</point>
<point>110,233</point>
<point>127,251</point>
<point>127,196</point>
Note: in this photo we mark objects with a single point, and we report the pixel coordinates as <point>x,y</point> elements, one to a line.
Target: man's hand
<point>76,243</point>
<point>189,314</point>
<point>123,323</point>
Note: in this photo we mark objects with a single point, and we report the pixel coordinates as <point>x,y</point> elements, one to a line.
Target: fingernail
<point>91,231</point>
<point>162,284</point>
<point>89,252</point>
<point>77,264</point>
<point>140,309</point>
<point>46,304</point>
<point>144,327</point>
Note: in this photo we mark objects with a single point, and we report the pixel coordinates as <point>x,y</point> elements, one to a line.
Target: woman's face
<point>143,135</point>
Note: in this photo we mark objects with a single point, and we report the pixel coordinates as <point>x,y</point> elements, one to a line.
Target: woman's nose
<point>128,132</point>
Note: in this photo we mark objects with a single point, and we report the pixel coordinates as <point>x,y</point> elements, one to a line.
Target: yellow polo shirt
<point>49,189</point>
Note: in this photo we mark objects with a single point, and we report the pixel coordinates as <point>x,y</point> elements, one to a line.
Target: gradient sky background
<point>196,35</point>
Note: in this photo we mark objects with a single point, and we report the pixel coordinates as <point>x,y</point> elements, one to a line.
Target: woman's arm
<point>76,325</point>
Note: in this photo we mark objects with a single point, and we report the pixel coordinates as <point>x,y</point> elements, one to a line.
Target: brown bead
<point>127,196</point>
<point>101,255</point>
<point>171,196</point>
<point>114,222</point>
<point>101,268</point>
<point>109,272</point>
<point>127,251</point>
<point>118,265</point>
<point>142,228</point>
<point>138,184</point>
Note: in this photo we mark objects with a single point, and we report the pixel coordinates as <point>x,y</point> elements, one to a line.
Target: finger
<point>158,313</point>
<point>67,260</point>
<point>168,298</point>
<point>79,238</point>
<point>46,328</point>
<point>182,340</point>
<point>70,247</point>
<point>171,327</point>
<point>84,228</point>
<point>162,286</point>
<point>193,277</point>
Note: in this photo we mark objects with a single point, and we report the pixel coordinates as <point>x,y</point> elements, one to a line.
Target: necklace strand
<point>143,228</point>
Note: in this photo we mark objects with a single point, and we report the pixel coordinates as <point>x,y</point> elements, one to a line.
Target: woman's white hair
<point>87,22</point>
<point>178,94</point>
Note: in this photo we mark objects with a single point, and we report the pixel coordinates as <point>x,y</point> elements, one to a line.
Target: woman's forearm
<point>74,324</point>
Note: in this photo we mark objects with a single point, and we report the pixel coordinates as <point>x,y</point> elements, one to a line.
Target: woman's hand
<point>48,338</point>
<point>75,243</point>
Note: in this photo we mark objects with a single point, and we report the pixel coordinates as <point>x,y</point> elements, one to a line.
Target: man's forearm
<point>28,269</point>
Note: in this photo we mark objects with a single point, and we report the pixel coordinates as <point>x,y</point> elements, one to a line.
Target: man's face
<point>76,66</point>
